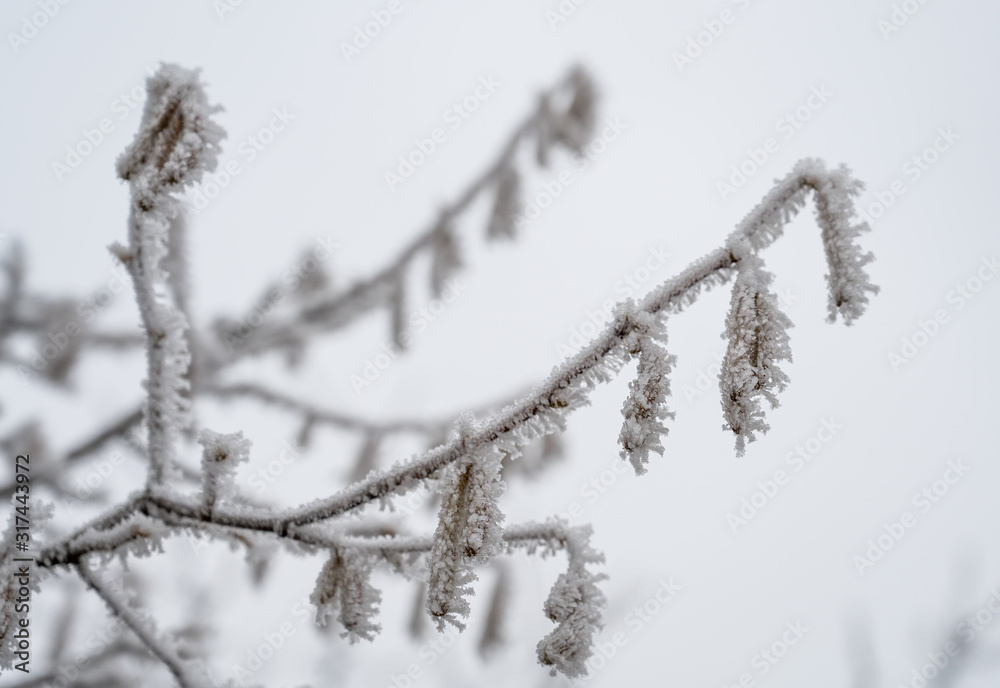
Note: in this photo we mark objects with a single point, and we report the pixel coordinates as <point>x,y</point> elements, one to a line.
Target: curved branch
<point>567,387</point>
<point>544,410</point>
<point>340,309</point>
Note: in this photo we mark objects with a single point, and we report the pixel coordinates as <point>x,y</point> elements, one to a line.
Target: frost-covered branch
<point>565,116</point>
<point>544,411</point>
<point>177,142</point>
<point>469,517</point>
<point>176,101</point>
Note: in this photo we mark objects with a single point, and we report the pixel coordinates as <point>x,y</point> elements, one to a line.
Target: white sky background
<point>653,187</point>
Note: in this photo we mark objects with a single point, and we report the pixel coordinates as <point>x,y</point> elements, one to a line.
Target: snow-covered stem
<point>543,411</point>
<point>177,142</point>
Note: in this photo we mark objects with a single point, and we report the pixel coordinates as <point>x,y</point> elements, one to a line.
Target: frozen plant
<point>177,143</point>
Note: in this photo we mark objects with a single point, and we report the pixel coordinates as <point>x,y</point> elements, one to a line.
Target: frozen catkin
<point>757,331</point>
<point>397,314</point>
<point>847,280</point>
<point>576,604</point>
<point>469,532</point>
<point>645,408</point>
<point>220,455</point>
<point>507,204</point>
<point>177,140</point>
<point>576,127</point>
<point>446,258</point>
<point>343,588</point>
<point>494,628</point>
<point>176,144</point>
<point>545,126</point>
<point>573,125</point>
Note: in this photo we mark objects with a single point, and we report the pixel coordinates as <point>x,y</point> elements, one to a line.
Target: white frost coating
<point>469,531</point>
<point>645,408</point>
<point>758,338</point>
<point>176,143</point>
<point>220,455</point>
<point>576,604</point>
<point>834,193</point>
<point>344,588</point>
<point>847,280</point>
<point>466,535</point>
